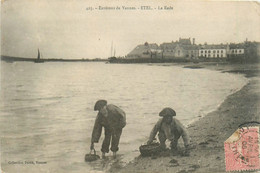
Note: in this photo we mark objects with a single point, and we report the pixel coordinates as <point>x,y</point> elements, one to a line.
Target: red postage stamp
<point>242,150</point>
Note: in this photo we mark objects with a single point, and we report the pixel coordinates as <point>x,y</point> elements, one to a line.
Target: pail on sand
<point>91,157</point>
<point>150,149</point>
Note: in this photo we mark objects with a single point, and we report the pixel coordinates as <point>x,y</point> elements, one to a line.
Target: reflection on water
<point>47,109</point>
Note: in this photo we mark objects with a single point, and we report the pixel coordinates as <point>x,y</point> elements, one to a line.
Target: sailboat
<point>112,58</point>
<point>39,60</point>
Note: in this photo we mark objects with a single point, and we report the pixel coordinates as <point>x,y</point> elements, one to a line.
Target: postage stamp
<point>242,149</point>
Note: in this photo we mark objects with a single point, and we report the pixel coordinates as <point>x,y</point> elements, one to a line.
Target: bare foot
<point>103,156</point>
<point>114,155</point>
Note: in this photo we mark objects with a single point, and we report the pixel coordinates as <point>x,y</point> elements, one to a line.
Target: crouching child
<point>170,128</point>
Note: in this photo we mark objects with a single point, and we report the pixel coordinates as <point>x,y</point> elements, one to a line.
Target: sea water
<point>47,109</point>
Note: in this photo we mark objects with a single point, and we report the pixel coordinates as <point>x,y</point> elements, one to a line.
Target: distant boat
<point>39,60</point>
<point>112,58</point>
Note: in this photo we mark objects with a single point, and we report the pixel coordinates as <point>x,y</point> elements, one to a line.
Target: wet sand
<point>208,133</point>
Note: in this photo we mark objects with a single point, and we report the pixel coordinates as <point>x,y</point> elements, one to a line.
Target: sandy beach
<point>209,133</point>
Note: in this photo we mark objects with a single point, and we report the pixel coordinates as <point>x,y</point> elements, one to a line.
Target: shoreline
<point>213,68</point>
<point>207,153</point>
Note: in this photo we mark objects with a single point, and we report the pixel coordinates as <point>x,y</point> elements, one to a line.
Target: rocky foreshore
<point>209,133</point>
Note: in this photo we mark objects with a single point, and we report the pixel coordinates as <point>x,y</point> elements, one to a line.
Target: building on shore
<point>243,52</point>
<point>236,49</point>
<point>185,49</point>
<point>213,51</point>
<point>145,50</point>
<point>182,48</point>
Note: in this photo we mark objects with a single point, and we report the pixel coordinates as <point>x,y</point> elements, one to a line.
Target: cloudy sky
<point>65,29</point>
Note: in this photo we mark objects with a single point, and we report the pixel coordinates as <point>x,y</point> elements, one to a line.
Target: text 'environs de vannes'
<point>144,7</point>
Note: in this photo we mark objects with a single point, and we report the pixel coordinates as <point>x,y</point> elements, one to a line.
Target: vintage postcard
<point>129,86</point>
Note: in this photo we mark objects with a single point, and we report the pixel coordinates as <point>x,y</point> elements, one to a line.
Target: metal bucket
<point>91,157</point>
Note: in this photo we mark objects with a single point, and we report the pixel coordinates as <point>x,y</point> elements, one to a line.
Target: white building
<point>213,51</point>
<point>236,49</point>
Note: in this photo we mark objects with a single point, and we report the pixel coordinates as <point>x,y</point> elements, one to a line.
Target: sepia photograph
<point>129,86</point>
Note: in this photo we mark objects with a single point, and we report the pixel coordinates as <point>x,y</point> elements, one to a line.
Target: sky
<point>66,29</point>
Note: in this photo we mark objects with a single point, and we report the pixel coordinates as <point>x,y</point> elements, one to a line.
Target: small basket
<point>150,149</point>
<point>91,157</point>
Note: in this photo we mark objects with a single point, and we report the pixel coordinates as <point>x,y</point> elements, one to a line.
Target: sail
<point>112,49</point>
<point>38,60</point>
<point>38,54</point>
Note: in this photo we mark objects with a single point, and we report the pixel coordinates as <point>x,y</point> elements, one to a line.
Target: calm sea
<point>47,108</point>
